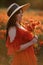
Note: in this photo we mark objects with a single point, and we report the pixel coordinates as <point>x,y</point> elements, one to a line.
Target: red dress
<point>25,57</point>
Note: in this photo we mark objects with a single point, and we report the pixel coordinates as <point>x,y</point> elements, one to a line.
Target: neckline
<point>20,27</point>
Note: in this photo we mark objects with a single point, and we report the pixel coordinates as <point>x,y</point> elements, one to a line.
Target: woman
<point>19,41</point>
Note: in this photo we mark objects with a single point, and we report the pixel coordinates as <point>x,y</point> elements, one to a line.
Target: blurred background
<point>35,4</point>
<point>33,22</point>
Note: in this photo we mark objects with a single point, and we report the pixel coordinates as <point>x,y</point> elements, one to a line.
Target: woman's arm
<point>24,46</point>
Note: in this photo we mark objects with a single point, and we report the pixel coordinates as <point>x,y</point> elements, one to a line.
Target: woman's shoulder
<point>12,33</point>
<point>12,30</point>
<point>13,27</point>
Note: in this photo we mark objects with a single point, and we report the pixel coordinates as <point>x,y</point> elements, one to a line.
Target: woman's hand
<point>35,39</point>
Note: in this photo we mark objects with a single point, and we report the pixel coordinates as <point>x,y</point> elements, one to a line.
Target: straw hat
<point>13,8</point>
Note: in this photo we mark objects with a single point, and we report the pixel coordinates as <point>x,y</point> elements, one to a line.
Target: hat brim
<point>23,7</point>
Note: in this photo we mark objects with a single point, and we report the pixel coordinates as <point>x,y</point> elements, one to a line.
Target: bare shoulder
<point>12,33</point>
